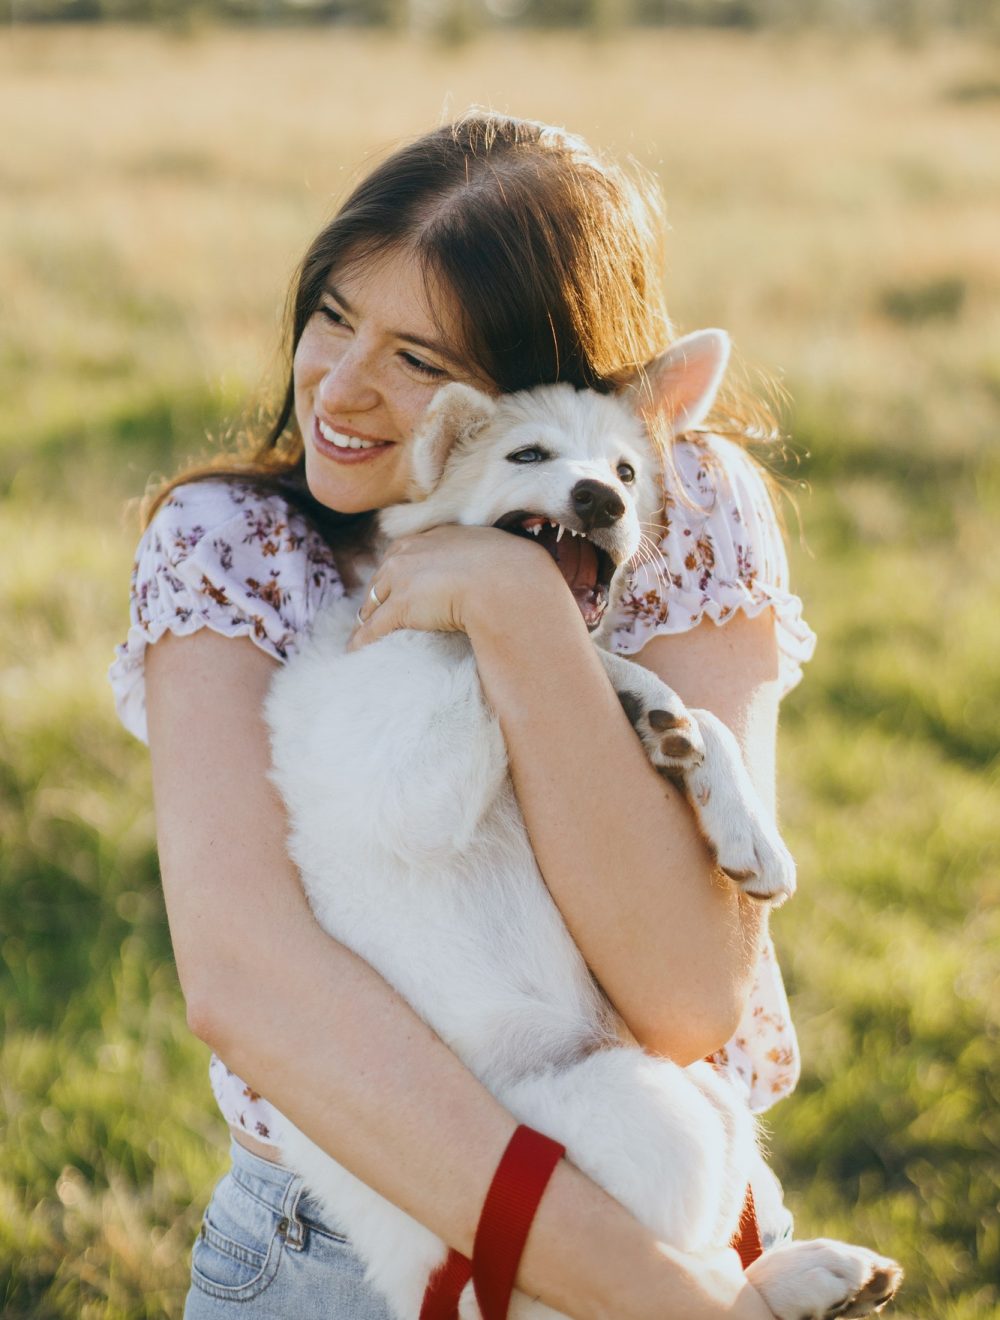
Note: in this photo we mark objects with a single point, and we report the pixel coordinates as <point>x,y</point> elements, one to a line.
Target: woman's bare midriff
<point>254,1146</point>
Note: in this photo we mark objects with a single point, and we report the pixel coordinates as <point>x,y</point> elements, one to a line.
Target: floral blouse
<point>221,555</point>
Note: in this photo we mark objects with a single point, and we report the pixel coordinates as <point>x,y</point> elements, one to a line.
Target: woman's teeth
<point>345,441</point>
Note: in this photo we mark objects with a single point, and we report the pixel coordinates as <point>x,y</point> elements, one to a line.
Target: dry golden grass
<point>183,177</point>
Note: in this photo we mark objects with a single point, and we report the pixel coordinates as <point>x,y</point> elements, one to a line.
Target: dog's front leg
<point>698,753</point>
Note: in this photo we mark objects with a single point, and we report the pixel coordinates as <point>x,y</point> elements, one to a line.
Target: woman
<point>500,253</point>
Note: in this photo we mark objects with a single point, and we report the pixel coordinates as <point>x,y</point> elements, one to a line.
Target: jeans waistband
<point>281,1190</point>
<point>270,1179</point>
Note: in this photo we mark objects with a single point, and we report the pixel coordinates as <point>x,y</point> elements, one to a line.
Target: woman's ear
<point>456,413</point>
<point>681,384</point>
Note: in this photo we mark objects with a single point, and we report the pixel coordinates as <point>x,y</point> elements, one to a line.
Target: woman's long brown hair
<point>553,260</point>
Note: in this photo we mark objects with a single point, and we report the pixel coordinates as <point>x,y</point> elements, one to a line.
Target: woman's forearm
<point>342,1056</point>
<point>671,941</point>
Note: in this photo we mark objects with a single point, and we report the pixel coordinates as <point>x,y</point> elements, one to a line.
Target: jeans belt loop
<point>291,1227</point>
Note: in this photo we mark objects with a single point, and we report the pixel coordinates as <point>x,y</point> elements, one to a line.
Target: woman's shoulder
<point>256,517</point>
<point>709,479</point>
<point>229,556</point>
<point>231,529</point>
<point>721,551</point>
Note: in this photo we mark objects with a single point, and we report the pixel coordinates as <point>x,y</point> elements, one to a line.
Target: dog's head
<point>571,469</point>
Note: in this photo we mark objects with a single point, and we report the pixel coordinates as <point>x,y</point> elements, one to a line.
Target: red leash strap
<point>517,1187</point>
<point>445,1288</point>
<point>511,1202</point>
<point>746,1239</point>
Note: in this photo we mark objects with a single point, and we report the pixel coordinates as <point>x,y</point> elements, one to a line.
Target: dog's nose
<point>596,504</point>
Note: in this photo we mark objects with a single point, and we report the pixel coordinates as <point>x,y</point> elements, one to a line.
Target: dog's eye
<point>530,454</point>
<point>626,473</point>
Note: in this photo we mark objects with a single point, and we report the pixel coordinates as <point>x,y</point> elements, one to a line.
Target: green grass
<point>146,240</point>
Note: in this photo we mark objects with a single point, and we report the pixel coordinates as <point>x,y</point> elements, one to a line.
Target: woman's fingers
<point>379,622</point>
<point>428,580</point>
<point>378,594</point>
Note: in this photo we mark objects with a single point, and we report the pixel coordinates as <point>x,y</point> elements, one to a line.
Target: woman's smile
<point>346,446</point>
<point>369,360</point>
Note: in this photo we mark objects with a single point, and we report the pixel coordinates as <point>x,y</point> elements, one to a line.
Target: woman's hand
<point>436,581</point>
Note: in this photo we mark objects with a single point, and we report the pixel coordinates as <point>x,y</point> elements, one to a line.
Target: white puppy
<point>413,851</point>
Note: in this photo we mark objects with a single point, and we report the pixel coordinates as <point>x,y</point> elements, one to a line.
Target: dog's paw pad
<point>876,1293</point>
<point>745,878</point>
<point>761,866</point>
<point>662,720</point>
<point>675,741</point>
<point>824,1280</point>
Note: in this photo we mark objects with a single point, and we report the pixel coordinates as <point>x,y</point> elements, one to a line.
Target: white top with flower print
<point>221,555</point>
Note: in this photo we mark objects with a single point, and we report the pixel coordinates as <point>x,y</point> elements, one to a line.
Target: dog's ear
<point>456,414</point>
<point>681,384</point>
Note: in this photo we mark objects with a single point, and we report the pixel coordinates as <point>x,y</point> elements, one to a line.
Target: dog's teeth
<point>560,532</point>
<point>536,529</point>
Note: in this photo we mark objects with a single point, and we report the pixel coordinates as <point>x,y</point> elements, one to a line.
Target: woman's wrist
<point>710,1286</point>
<point>520,604</point>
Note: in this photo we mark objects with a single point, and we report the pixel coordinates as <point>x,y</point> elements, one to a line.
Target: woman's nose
<point>348,383</point>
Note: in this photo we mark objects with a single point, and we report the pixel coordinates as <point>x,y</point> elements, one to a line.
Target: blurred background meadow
<point>834,197</point>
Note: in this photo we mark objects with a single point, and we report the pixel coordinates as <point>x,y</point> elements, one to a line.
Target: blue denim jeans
<point>264,1252</point>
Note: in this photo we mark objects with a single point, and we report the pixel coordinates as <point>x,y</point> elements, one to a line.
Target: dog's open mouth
<point>587,568</point>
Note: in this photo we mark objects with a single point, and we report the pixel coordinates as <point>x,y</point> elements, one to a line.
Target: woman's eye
<point>532,454</point>
<point>331,314</point>
<point>626,473</point>
<point>423,368</point>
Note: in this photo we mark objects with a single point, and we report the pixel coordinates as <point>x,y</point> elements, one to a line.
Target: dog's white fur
<point>413,853</point>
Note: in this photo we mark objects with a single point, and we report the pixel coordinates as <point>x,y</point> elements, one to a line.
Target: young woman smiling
<point>505,254</point>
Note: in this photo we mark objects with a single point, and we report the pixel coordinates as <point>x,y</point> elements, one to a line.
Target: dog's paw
<point>672,739</point>
<point>824,1280</point>
<point>736,823</point>
<point>753,854</point>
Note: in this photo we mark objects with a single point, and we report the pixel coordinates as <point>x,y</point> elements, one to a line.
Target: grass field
<point>837,207</point>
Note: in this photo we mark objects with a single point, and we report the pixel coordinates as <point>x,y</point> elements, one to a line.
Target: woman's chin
<point>347,490</point>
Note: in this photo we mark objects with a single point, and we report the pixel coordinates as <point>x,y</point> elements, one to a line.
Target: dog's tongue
<point>577,560</point>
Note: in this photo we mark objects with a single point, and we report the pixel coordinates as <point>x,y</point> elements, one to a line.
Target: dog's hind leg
<point>674,1145</point>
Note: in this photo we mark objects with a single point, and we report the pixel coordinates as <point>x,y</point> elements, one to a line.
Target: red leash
<point>510,1206</point>
<point>746,1239</point>
<point>511,1202</point>
<point>445,1287</point>
<point>521,1177</point>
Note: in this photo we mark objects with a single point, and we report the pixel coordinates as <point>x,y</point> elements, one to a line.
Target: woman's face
<point>368,363</point>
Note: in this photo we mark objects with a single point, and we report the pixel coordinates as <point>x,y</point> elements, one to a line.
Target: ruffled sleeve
<point>722,552</point>
<point>224,556</point>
